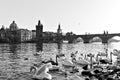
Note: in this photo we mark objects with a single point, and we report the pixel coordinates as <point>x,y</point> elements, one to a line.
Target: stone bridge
<point>87,37</point>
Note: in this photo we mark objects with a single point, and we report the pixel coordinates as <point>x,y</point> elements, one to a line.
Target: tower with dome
<point>13,26</point>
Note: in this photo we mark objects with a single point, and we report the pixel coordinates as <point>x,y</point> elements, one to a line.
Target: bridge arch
<point>95,39</point>
<point>79,39</point>
<point>114,39</point>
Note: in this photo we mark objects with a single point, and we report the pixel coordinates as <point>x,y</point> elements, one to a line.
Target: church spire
<point>59,26</point>
<point>39,22</point>
<point>59,30</point>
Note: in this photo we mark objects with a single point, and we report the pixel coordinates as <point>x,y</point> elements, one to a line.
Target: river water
<point>17,58</point>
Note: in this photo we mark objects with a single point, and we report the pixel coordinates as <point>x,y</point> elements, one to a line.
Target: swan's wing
<point>67,63</point>
<point>82,61</point>
<point>42,69</point>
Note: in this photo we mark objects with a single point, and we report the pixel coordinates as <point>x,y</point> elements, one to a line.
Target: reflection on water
<point>13,48</point>
<point>17,58</point>
<point>39,46</point>
<point>59,48</point>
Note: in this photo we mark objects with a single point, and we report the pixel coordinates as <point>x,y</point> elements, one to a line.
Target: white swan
<point>55,64</point>
<point>81,61</point>
<point>64,61</point>
<point>67,66</point>
<point>41,73</point>
<point>67,63</point>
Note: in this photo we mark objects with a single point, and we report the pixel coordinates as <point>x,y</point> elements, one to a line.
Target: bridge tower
<point>105,38</point>
<point>59,34</point>
<point>39,31</point>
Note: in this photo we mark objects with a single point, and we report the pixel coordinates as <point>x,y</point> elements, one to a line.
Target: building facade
<point>33,34</point>
<point>25,35</point>
<point>14,35</point>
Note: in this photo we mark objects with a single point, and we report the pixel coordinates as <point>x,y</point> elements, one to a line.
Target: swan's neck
<point>33,69</point>
<point>56,60</point>
<point>97,57</point>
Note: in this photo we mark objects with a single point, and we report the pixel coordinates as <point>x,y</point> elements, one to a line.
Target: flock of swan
<point>72,69</point>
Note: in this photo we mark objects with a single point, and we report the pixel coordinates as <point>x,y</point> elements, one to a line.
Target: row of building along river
<point>17,58</point>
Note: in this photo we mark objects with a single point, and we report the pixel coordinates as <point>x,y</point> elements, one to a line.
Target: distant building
<point>69,34</point>
<point>33,34</point>
<point>49,34</point>
<point>14,35</point>
<point>13,26</point>
<point>25,35</point>
<point>2,34</point>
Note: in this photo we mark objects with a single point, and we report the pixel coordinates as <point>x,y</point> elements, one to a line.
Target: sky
<point>78,16</point>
